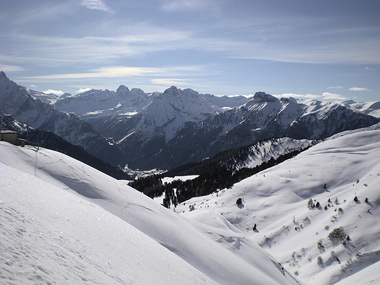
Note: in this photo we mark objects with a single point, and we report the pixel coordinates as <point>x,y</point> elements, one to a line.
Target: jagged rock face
<point>261,118</point>
<point>17,102</point>
<point>100,103</point>
<point>173,109</point>
<point>166,130</point>
<point>163,116</point>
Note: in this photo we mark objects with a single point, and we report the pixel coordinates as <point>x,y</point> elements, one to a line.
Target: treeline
<point>232,159</point>
<point>229,159</point>
<point>217,177</point>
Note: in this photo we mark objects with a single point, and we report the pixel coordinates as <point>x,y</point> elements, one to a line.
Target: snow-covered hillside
<point>62,221</point>
<point>338,238</point>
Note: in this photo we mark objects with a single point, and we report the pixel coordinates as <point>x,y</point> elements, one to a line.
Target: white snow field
<point>332,173</point>
<point>63,222</point>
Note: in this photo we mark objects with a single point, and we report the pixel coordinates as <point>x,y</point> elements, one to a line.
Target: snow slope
<point>63,221</point>
<point>50,236</point>
<point>276,200</point>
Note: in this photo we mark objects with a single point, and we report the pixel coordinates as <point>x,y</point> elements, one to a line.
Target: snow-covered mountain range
<point>262,117</point>
<point>66,222</point>
<point>183,125</point>
<point>19,103</point>
<point>164,130</point>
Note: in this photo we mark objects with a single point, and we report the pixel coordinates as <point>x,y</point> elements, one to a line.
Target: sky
<point>324,50</point>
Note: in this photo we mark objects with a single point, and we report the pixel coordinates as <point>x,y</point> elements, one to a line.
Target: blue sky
<point>325,50</point>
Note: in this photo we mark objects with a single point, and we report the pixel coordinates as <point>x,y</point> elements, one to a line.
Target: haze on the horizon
<point>325,50</point>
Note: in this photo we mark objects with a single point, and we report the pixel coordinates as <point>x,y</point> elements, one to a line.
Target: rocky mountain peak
<point>4,80</point>
<point>122,89</point>
<point>264,97</point>
<point>288,100</point>
<point>172,91</point>
<point>138,91</point>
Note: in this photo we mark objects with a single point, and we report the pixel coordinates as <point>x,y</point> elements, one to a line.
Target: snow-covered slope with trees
<point>317,213</point>
<point>63,221</point>
<point>270,149</point>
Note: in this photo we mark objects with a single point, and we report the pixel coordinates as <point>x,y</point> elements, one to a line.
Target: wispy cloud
<point>324,96</point>
<point>144,40</point>
<point>177,5</point>
<point>333,96</point>
<point>54,50</point>
<point>359,89</point>
<point>324,53</point>
<point>81,90</point>
<point>298,96</point>
<point>103,72</point>
<point>335,87</point>
<point>170,81</point>
<point>96,5</point>
<point>52,91</point>
<point>119,72</point>
<point>10,68</point>
<point>33,12</point>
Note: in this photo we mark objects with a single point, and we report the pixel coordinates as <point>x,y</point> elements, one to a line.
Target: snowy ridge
<point>331,173</point>
<point>99,103</point>
<point>173,109</point>
<point>61,213</point>
<point>46,98</point>
<point>369,108</point>
<point>266,150</point>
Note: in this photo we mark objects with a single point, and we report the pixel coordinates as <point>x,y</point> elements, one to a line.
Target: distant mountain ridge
<point>165,130</point>
<point>261,118</point>
<point>17,101</point>
<point>51,141</point>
